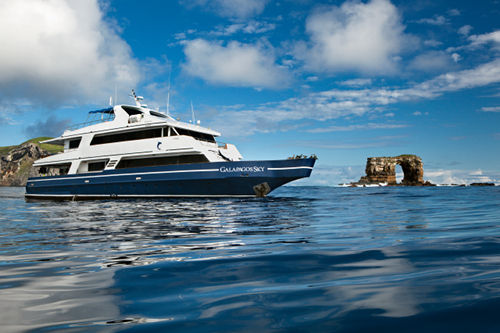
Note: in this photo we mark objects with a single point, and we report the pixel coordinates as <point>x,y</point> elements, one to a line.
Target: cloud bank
<point>60,51</point>
<point>355,36</point>
<point>234,64</point>
<point>336,103</point>
<point>50,127</point>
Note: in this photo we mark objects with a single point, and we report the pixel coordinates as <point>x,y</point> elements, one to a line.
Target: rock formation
<point>383,170</point>
<point>16,165</point>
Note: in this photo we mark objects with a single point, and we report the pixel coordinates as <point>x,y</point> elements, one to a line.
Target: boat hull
<point>216,179</point>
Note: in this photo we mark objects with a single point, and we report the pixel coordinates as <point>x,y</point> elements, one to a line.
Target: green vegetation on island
<point>16,161</point>
<point>51,149</point>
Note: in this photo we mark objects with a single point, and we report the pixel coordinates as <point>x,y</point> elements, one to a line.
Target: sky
<point>344,80</point>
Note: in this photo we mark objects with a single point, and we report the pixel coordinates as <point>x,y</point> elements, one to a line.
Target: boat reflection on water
<point>138,232</point>
<point>76,249</point>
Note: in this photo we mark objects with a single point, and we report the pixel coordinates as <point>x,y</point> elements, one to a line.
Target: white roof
<point>120,123</point>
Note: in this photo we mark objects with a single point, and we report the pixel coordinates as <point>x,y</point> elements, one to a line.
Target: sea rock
<point>383,170</point>
<point>16,165</point>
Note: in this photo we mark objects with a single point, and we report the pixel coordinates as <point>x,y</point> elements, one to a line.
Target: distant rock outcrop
<point>15,166</point>
<point>383,170</point>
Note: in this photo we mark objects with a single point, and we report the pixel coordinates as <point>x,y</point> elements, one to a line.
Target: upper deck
<point>124,118</point>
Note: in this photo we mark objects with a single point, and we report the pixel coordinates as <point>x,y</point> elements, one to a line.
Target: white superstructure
<point>127,136</point>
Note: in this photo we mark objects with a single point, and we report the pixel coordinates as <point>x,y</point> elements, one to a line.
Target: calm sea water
<point>312,259</point>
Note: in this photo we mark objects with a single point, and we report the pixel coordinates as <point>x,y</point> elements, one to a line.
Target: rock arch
<point>383,170</point>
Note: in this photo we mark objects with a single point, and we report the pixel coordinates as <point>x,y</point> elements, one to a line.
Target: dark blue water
<point>314,259</point>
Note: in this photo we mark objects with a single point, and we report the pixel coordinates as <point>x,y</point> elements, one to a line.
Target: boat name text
<point>242,169</point>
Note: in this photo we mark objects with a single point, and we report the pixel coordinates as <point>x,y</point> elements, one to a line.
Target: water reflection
<point>142,232</point>
<point>47,292</point>
<point>305,259</point>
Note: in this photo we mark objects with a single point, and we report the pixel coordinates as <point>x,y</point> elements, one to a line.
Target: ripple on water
<point>303,259</point>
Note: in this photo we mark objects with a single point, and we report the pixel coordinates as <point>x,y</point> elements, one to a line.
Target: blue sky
<point>342,79</point>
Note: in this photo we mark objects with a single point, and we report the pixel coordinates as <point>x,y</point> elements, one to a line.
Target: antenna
<point>137,99</point>
<point>110,100</point>
<point>192,112</point>
<point>168,94</point>
<point>116,98</point>
<point>168,100</point>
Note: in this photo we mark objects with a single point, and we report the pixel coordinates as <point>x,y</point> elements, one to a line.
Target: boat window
<point>131,110</point>
<point>158,114</point>
<point>127,136</point>
<point>74,143</point>
<point>196,135</point>
<point>157,161</point>
<point>172,131</point>
<point>97,166</point>
<point>53,170</point>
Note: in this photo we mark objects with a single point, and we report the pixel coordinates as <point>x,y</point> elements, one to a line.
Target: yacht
<point>133,151</point>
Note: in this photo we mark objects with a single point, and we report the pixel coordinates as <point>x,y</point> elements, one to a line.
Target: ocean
<point>304,259</point>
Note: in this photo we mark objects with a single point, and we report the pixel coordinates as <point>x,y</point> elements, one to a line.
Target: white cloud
<point>431,61</point>
<point>445,177</point>
<point>235,64</point>
<point>454,12</point>
<point>491,39</point>
<point>490,109</point>
<point>456,57</point>
<point>355,36</point>
<point>332,175</point>
<point>312,78</point>
<point>432,43</point>
<point>357,82</point>
<point>436,20</point>
<point>479,40</point>
<point>236,9</point>
<point>380,141</point>
<point>252,27</point>
<point>482,75</point>
<point>465,30</point>
<point>441,176</point>
<point>356,127</point>
<point>336,103</point>
<point>477,172</point>
<point>61,51</point>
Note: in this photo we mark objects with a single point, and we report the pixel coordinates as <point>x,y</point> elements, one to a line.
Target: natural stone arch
<point>413,169</point>
<point>383,170</point>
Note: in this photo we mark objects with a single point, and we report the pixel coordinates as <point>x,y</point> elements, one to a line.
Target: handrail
<point>91,122</point>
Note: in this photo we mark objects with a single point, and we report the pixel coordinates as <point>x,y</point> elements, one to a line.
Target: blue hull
<point>217,179</point>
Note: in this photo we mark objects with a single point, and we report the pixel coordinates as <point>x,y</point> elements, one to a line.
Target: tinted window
<point>131,110</point>
<point>157,161</point>
<point>74,143</point>
<point>157,114</point>
<point>128,136</point>
<point>97,166</point>
<point>196,135</point>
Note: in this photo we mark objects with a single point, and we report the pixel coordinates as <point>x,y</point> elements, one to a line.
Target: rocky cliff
<point>16,162</point>
<point>383,170</point>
